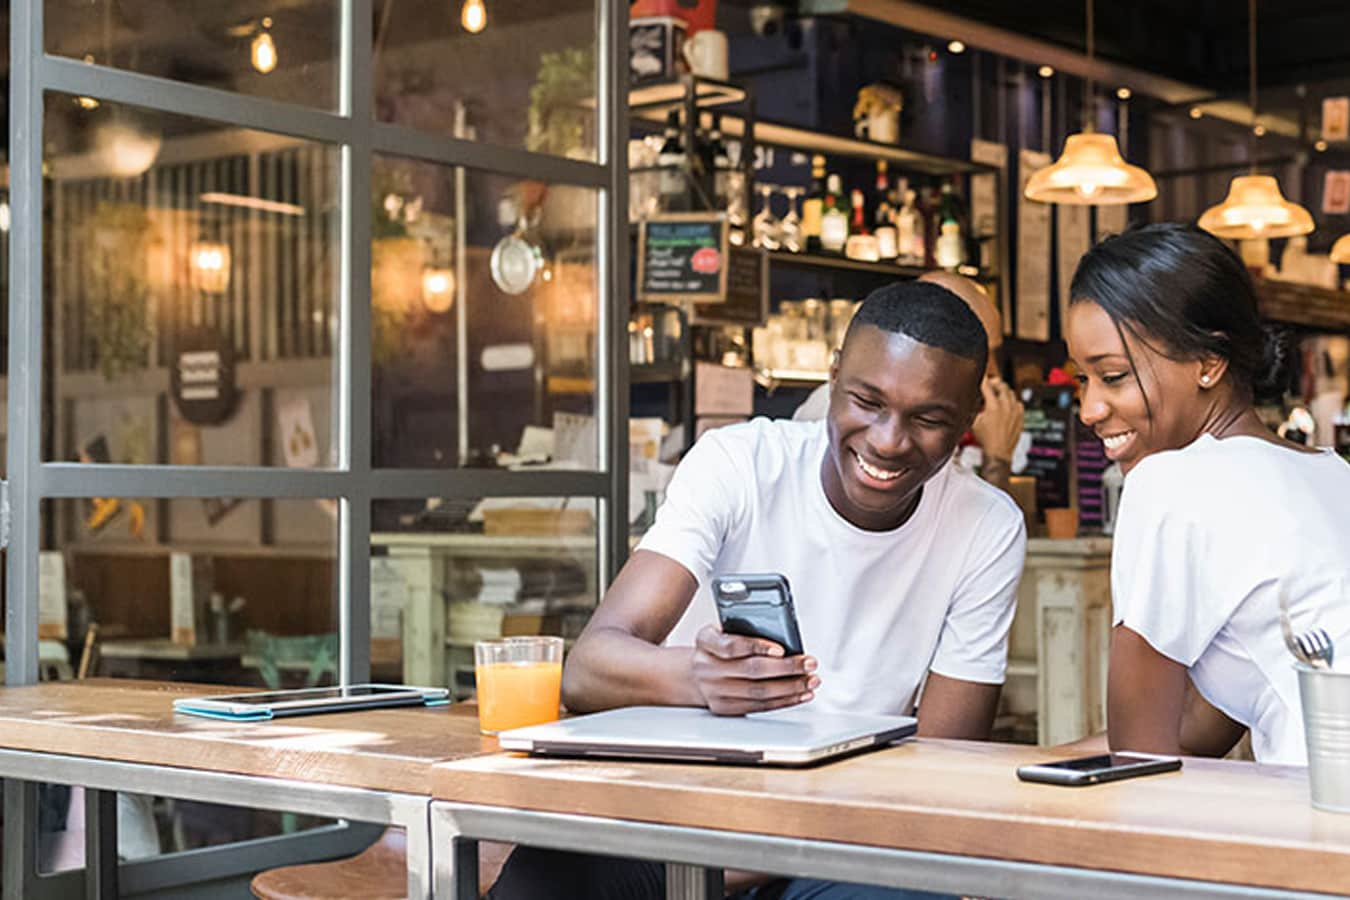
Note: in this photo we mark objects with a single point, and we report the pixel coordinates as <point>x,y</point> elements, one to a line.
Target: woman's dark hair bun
<point>1273,379</point>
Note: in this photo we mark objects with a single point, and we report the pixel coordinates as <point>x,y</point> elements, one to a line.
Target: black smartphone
<point>1097,769</point>
<point>758,606</point>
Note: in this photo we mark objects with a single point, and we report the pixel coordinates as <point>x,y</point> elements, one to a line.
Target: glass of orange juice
<point>519,681</point>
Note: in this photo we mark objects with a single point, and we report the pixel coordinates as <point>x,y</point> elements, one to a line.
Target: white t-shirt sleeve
<point>1158,556</point>
<point>973,645</point>
<point>705,500</point>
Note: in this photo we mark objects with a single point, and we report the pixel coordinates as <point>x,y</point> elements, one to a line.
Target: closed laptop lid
<point>785,737</point>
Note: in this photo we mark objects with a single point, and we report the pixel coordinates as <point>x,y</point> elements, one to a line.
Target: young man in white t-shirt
<point>904,567</point>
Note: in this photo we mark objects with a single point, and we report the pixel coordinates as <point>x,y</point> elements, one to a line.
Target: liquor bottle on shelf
<point>861,244</point>
<point>883,217</point>
<point>674,162</point>
<point>718,163</point>
<point>909,232</point>
<point>813,208</point>
<point>950,252</point>
<point>834,218</point>
<point>928,210</point>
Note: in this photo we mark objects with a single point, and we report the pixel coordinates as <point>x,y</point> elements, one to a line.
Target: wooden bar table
<point>946,816</point>
<point>111,735</point>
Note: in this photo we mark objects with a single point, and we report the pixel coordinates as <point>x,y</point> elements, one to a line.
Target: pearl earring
<point>1204,379</point>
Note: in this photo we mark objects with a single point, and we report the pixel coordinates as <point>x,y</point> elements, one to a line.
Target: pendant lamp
<point>1091,170</point>
<point>1340,251</point>
<point>1255,207</point>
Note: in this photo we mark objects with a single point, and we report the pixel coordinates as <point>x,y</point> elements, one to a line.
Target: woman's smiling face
<point>1137,399</point>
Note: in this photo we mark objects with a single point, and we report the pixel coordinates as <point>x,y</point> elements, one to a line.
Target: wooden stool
<point>379,872</point>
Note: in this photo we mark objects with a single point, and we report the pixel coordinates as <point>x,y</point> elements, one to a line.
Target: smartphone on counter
<point>1097,769</point>
<point>758,606</point>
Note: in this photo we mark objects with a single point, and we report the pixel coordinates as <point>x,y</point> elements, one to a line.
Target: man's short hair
<point>929,314</point>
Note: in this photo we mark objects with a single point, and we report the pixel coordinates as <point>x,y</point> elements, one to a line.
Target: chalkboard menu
<point>683,256</point>
<point>1049,459</point>
<point>747,300</point>
<point>1089,463</point>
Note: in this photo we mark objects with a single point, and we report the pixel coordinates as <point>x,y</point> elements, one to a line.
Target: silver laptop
<point>792,737</point>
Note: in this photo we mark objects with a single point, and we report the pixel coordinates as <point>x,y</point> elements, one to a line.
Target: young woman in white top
<point>1219,516</point>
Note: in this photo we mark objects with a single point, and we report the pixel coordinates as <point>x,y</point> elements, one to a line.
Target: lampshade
<point>1340,251</point>
<point>1091,172</point>
<point>1255,208</point>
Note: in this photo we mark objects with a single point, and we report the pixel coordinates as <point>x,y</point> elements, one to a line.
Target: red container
<point>696,14</point>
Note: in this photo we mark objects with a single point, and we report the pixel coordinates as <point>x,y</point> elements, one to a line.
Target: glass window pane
<point>510,262</point>
<point>526,79</point>
<point>447,572</point>
<point>184,589</point>
<point>280,51</point>
<point>188,589</point>
<point>192,287</point>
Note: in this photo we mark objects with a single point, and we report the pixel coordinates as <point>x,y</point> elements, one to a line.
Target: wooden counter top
<point>1214,820</point>
<point>134,721</point>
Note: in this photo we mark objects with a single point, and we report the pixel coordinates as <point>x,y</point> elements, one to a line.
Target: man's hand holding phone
<point>738,675</point>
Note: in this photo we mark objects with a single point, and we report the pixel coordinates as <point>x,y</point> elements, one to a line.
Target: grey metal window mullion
<point>612,380</point>
<point>24,451</point>
<point>400,140</point>
<point>25,342</point>
<point>78,480</point>
<point>354,349</point>
<point>181,98</point>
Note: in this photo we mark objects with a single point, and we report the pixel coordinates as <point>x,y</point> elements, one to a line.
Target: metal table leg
<point>100,844</point>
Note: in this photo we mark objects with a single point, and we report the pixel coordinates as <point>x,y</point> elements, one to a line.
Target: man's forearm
<point>609,668</point>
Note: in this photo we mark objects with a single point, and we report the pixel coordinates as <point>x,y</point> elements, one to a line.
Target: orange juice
<point>516,694</point>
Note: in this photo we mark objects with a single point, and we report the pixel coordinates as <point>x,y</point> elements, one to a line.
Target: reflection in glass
<point>284,52</point>
<point>513,74</point>
<point>512,263</point>
<point>448,572</point>
<point>192,277</point>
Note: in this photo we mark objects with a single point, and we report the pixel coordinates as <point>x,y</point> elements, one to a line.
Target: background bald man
<point>999,425</point>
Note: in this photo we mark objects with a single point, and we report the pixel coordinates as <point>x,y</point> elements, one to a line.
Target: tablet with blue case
<point>261,705</point>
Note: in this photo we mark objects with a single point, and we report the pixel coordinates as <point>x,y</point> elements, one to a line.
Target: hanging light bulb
<point>438,289</point>
<point>210,266</point>
<point>264,50</point>
<point>1340,251</point>
<point>1090,171</point>
<point>473,16</point>
<point>1255,207</point>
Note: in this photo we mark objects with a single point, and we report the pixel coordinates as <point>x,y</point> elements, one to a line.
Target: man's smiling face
<point>897,409</point>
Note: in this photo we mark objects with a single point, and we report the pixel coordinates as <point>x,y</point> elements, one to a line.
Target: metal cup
<point>1326,726</point>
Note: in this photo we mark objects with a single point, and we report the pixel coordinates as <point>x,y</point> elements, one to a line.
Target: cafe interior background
<point>465,444</point>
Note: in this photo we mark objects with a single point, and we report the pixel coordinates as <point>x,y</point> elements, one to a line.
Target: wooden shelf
<point>1303,304</point>
<point>651,102</point>
<point>843,263</point>
<point>826,261</point>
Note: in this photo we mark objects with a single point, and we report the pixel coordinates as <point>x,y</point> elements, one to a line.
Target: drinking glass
<point>766,225</point>
<point>519,682</point>
<point>790,229</point>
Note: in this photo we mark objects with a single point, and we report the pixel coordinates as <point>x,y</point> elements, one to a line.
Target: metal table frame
<point>457,827</point>
<point>103,778</point>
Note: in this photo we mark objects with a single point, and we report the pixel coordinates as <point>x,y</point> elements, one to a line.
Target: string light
<point>1123,93</point>
<point>473,16</point>
<point>1320,146</point>
<point>1196,112</point>
<point>1045,71</point>
<point>956,47</point>
<point>265,49</point>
